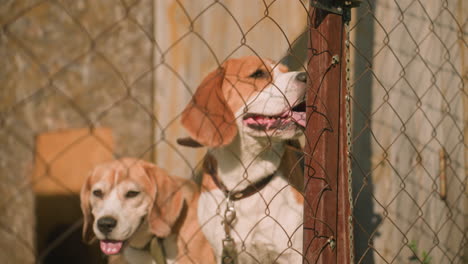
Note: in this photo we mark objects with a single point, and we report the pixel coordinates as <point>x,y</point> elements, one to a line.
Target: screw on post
<point>332,243</point>
<point>335,60</point>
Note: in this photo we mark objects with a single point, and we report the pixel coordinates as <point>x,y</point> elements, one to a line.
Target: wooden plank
<point>64,159</point>
<point>327,207</point>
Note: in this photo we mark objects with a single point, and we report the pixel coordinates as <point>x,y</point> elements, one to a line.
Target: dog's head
<point>119,196</point>
<point>251,95</point>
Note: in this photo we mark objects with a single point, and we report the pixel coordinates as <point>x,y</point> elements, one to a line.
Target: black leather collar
<point>210,167</point>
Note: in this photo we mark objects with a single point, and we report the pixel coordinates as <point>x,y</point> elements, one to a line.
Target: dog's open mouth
<point>111,247</point>
<point>296,114</point>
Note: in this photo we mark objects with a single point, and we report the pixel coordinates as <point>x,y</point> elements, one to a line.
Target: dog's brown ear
<point>292,164</point>
<point>168,201</point>
<point>88,233</point>
<point>208,118</point>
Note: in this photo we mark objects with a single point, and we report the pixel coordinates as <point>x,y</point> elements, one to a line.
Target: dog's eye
<point>98,193</point>
<point>131,194</point>
<point>258,74</point>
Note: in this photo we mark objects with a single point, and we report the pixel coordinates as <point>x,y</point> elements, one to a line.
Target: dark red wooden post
<point>327,206</point>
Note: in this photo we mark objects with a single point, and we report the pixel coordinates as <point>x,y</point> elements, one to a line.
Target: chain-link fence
<point>394,82</point>
<point>409,133</point>
<point>85,82</point>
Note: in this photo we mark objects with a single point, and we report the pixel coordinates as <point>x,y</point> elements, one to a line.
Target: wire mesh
<point>85,82</point>
<point>409,131</point>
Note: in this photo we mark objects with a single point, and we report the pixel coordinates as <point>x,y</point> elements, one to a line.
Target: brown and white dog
<point>128,202</point>
<point>245,112</point>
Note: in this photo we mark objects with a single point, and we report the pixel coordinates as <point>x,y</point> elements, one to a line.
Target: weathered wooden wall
<point>130,66</point>
<point>408,106</point>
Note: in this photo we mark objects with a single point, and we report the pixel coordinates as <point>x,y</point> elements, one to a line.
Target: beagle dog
<point>246,112</point>
<point>127,203</point>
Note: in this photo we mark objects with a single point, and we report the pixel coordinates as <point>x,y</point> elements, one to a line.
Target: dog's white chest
<point>268,226</point>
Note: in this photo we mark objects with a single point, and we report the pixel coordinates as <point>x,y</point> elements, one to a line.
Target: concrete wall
<point>66,65</point>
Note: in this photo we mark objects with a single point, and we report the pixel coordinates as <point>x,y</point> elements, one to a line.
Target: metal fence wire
<point>86,82</point>
<point>409,131</point>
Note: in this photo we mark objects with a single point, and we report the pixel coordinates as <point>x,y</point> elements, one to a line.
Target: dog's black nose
<point>106,224</point>
<point>302,77</point>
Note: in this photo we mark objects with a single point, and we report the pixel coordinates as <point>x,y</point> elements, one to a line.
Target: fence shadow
<point>365,220</point>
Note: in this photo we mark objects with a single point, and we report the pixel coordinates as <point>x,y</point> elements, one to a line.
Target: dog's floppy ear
<point>208,118</point>
<point>168,201</point>
<point>88,233</point>
<point>292,164</point>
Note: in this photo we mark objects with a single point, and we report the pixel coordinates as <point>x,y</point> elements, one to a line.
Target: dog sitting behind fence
<point>138,211</point>
<point>246,112</point>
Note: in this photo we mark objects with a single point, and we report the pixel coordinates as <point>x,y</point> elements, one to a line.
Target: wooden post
<point>327,206</point>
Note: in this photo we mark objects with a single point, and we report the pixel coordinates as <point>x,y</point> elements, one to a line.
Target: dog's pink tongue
<point>111,248</point>
<point>299,117</point>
